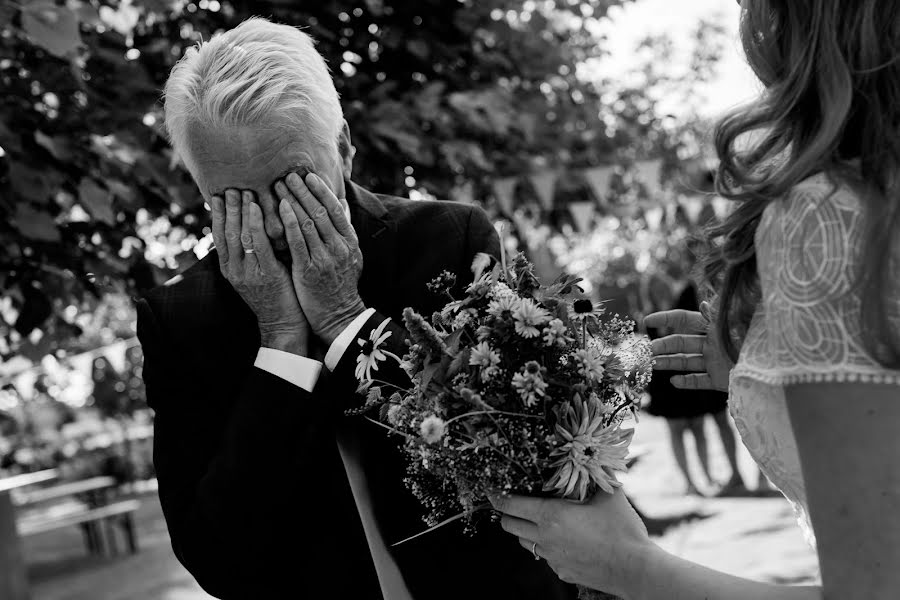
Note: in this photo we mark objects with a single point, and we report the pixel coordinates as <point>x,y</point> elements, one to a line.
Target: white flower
<point>484,356</point>
<point>556,333</point>
<point>590,453</point>
<point>530,384</point>
<point>371,352</point>
<point>432,429</point>
<point>462,319</point>
<point>529,317</point>
<point>503,306</point>
<point>590,364</point>
<point>501,290</point>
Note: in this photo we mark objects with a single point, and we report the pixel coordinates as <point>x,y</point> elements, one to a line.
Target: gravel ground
<point>752,537</point>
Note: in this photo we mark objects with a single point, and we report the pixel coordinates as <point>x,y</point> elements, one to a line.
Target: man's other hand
<point>325,254</point>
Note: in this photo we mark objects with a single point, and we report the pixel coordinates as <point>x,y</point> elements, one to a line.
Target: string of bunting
<point>598,180</point>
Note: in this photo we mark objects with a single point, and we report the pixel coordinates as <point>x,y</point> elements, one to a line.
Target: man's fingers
<point>679,321</point>
<point>261,244</point>
<point>694,381</point>
<point>692,363</point>
<point>332,205</point>
<point>295,239</point>
<point>233,229</point>
<point>678,344</point>
<point>313,207</point>
<point>305,223</point>
<point>218,230</point>
<point>247,237</point>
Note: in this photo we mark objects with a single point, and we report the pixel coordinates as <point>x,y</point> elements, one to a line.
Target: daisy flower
<point>504,306</point>
<point>529,317</point>
<point>432,429</point>
<point>484,356</point>
<point>590,454</point>
<point>371,352</point>
<point>393,415</point>
<point>556,333</point>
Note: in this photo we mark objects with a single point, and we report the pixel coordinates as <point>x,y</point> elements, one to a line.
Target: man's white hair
<point>248,74</point>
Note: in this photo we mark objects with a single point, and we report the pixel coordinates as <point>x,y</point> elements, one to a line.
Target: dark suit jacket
<point>250,479</point>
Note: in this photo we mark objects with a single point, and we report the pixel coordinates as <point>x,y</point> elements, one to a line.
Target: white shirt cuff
<point>299,370</point>
<point>345,339</point>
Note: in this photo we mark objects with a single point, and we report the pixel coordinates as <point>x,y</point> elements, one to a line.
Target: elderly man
<point>268,489</point>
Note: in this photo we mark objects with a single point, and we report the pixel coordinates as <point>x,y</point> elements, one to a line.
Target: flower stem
<point>492,412</point>
<point>444,522</point>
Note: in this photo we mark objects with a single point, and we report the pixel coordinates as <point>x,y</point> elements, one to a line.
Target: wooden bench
<point>90,487</point>
<point>121,511</point>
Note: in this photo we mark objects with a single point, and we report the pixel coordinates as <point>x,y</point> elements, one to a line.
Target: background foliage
<point>437,93</point>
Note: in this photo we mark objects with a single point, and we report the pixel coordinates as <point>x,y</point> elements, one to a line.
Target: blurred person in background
<point>686,410</point>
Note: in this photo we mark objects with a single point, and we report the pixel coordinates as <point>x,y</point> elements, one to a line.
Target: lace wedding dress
<point>807,327</point>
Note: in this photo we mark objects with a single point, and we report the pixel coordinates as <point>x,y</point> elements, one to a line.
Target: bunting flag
<point>545,184</point>
<point>503,192</point>
<point>583,215</point>
<point>598,178</point>
<point>649,171</point>
<point>654,216</point>
<point>693,206</point>
<point>115,354</point>
<point>83,364</point>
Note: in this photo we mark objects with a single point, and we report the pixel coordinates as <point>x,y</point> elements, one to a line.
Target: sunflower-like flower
<point>581,308</point>
<point>371,352</point>
<point>556,333</point>
<point>432,429</point>
<point>529,318</point>
<point>529,383</point>
<point>590,453</point>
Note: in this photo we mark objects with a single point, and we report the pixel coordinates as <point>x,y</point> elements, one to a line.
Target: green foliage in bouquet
<point>516,388</point>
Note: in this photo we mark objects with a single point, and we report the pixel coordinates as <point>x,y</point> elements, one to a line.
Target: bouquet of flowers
<point>516,388</point>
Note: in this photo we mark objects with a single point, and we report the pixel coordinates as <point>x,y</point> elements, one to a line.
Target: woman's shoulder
<point>810,242</point>
<point>820,202</point>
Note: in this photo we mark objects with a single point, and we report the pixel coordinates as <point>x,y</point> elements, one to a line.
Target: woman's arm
<point>668,577</point>
<point>848,436</point>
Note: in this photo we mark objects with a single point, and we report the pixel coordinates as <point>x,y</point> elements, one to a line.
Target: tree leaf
<point>96,200</point>
<point>31,184</point>
<point>36,224</point>
<point>53,28</point>
<point>58,147</point>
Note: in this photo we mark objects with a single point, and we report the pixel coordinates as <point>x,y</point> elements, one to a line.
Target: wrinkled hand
<point>601,544</point>
<point>693,347</point>
<point>258,277</point>
<point>326,259</point>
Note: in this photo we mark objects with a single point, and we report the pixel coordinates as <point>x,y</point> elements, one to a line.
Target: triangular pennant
<point>654,216</point>
<point>545,184</point>
<point>115,354</point>
<point>649,171</point>
<point>598,178</point>
<point>82,364</point>
<point>504,189</point>
<point>583,215</point>
<point>693,206</point>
